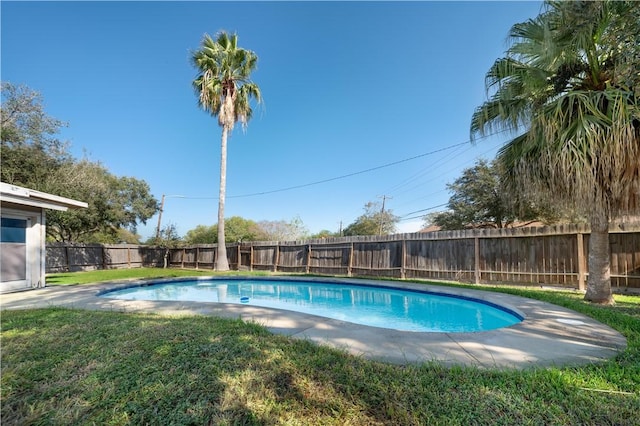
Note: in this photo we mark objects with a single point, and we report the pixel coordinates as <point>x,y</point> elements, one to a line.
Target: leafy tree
<point>24,122</point>
<point>280,230</point>
<point>33,157</point>
<point>30,148</point>
<point>167,239</point>
<point>114,202</point>
<point>237,229</point>
<point>202,234</point>
<point>481,200</point>
<point>477,200</point>
<point>568,88</point>
<point>325,233</point>
<point>224,89</point>
<point>375,221</point>
<point>120,236</point>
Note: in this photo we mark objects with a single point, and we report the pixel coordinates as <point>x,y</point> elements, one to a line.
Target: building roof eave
<point>30,197</point>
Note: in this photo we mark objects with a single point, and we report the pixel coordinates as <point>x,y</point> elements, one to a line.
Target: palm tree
<point>568,92</point>
<point>224,89</point>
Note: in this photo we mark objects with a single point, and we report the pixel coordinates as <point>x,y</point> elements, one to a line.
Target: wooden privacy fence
<point>555,255</point>
<point>63,257</point>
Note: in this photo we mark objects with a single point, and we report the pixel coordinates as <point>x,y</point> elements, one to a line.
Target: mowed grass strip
<point>101,275</point>
<point>64,366</point>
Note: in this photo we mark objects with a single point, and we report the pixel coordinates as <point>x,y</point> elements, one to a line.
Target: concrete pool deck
<point>549,335</point>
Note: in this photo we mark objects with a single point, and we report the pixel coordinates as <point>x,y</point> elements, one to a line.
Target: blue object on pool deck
<point>384,307</point>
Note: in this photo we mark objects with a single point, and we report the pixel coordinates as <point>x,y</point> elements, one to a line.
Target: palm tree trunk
<point>222,263</point>
<point>599,282</point>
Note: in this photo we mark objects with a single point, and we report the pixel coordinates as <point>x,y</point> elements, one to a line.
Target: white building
<point>22,236</point>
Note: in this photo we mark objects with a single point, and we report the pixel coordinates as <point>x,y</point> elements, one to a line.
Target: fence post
<point>66,255</point>
<point>404,259</point>
<point>581,261</point>
<point>349,271</point>
<point>251,257</point>
<point>308,266</point>
<point>276,255</point>
<point>476,249</point>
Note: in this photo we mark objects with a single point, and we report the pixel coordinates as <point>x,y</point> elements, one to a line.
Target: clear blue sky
<point>348,87</point>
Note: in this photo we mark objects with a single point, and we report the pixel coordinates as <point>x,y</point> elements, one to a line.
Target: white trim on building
<point>22,251</point>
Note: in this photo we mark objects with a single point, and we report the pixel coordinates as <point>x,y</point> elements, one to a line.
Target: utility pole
<point>160,212</point>
<point>384,198</point>
<point>159,219</point>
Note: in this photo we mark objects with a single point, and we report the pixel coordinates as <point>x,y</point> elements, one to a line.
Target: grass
<point>73,278</point>
<point>65,366</point>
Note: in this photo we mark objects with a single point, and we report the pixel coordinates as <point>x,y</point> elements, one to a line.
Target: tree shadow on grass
<point>56,279</point>
<point>65,366</point>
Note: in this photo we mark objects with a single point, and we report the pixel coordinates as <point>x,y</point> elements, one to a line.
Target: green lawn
<point>70,278</point>
<point>65,366</point>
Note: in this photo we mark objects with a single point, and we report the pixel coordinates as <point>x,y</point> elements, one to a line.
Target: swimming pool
<point>376,306</point>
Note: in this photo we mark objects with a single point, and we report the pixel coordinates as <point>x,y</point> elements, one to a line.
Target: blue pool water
<point>373,306</point>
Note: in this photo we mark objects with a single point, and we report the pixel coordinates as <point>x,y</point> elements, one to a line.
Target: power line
<point>397,189</point>
<point>424,210</point>
<point>404,217</point>
<point>363,171</point>
<point>430,170</point>
<point>349,174</point>
<point>409,218</point>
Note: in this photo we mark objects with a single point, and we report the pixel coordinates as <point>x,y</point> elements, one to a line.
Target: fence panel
<point>175,258</point>
<point>541,256</point>
<point>57,260</point>
<point>449,259</point>
<point>190,256</point>
<point>378,259</point>
<point>329,259</point>
<point>292,258</point>
<point>232,257</point>
<point>205,256</point>
<point>84,258</point>
<point>534,260</point>
<point>264,257</point>
<point>625,260</point>
<point>152,256</point>
<point>118,256</point>
<point>136,259</point>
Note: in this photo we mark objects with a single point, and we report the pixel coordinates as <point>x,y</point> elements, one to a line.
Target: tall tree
<point>568,90</point>
<point>375,221</point>
<point>28,137</point>
<point>281,230</point>
<point>114,202</point>
<point>237,229</point>
<point>479,200</point>
<point>23,121</point>
<point>33,156</point>
<point>224,90</point>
